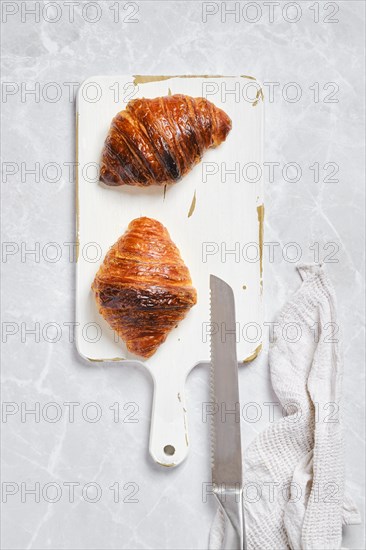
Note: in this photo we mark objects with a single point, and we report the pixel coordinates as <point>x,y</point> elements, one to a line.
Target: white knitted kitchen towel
<point>296,465</point>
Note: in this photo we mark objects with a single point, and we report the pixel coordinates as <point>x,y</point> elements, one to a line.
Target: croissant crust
<point>143,288</point>
<point>157,141</point>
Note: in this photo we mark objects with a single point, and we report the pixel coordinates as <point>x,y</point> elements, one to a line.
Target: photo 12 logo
<point>54,92</point>
<point>272,411</point>
<point>68,491</point>
<point>52,332</point>
<point>251,91</point>
<point>73,12</point>
<point>236,252</point>
<point>53,412</point>
<point>254,333</point>
<point>270,12</point>
<point>270,171</point>
<point>273,491</point>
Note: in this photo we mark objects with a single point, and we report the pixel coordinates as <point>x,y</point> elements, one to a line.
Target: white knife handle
<point>169,428</point>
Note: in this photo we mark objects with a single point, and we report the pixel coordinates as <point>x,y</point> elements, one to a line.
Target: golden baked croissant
<point>158,141</point>
<point>143,288</point>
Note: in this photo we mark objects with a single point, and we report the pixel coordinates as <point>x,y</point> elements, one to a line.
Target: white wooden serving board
<point>220,234</point>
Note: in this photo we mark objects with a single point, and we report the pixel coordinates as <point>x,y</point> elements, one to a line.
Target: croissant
<point>143,288</point>
<point>158,141</point>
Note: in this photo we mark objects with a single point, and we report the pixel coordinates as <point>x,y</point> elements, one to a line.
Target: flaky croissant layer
<point>157,141</point>
<point>143,288</point>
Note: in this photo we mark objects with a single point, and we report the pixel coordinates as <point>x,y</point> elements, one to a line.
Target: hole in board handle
<point>169,450</point>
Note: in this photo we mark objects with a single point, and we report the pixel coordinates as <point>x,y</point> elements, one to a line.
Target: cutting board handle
<point>169,429</point>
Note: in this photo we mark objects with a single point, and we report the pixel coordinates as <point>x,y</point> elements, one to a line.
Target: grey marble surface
<point>325,61</point>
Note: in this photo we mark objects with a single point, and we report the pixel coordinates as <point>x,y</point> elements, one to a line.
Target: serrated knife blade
<point>227,477</point>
